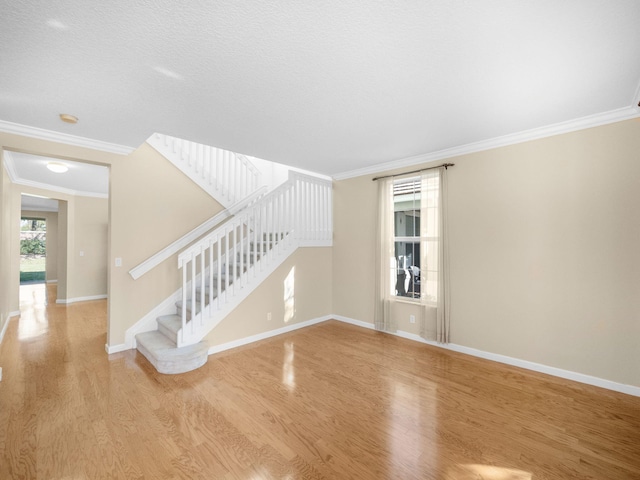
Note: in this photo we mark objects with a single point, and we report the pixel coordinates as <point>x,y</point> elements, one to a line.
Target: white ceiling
<point>81,179</point>
<point>329,86</point>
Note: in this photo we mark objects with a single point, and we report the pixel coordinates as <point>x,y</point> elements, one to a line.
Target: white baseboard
<point>14,314</point>
<point>149,321</point>
<point>67,301</point>
<point>262,336</point>
<point>116,348</point>
<point>4,328</point>
<point>52,281</point>
<point>516,362</point>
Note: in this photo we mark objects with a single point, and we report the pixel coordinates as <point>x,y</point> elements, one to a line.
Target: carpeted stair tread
<point>166,357</point>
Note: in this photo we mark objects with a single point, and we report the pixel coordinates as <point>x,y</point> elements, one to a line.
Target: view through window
<point>416,224</point>
<point>33,241</point>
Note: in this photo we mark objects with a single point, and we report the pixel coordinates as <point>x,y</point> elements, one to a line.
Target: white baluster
<point>193,289</point>
<point>185,266</point>
<point>219,269</point>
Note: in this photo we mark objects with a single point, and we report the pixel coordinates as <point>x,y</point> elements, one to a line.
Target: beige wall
<point>309,271</point>
<point>152,205</point>
<point>87,252</point>
<point>52,240</point>
<point>10,278</point>
<point>544,250</point>
<point>544,247</point>
<point>82,225</point>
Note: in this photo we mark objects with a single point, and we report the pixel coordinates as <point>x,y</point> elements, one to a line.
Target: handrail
<point>226,263</point>
<point>194,234</point>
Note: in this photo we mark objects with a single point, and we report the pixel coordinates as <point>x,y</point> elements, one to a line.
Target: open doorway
<point>33,250</point>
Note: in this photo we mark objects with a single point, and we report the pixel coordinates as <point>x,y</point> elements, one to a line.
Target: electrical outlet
<point>118,262</point>
<point>269,317</point>
<point>412,319</point>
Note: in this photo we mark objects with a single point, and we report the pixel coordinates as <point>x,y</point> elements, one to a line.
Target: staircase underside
<point>163,354</point>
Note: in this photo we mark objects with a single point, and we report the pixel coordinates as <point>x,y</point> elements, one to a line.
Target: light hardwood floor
<point>331,401</point>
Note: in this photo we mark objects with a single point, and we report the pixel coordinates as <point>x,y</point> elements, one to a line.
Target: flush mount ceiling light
<point>57,167</point>
<point>65,117</point>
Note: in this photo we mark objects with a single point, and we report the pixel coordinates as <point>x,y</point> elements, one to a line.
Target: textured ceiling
<point>328,86</point>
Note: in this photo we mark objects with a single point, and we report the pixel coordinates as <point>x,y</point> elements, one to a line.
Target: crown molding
<point>583,123</point>
<point>65,138</point>
<point>9,165</point>
<point>54,188</point>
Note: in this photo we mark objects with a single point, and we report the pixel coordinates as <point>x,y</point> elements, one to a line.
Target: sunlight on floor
<point>33,318</point>
<point>289,295</point>
<point>288,368</point>
<point>490,472</point>
<point>407,416</point>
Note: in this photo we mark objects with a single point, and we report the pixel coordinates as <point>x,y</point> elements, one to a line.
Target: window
<point>415,227</point>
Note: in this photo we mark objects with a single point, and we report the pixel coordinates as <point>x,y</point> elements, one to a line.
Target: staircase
<point>226,176</point>
<point>225,265</point>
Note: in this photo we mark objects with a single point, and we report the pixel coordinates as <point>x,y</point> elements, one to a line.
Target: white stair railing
<point>222,268</point>
<point>226,176</point>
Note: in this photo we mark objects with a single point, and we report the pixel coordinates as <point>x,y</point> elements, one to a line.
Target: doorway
<point>33,250</point>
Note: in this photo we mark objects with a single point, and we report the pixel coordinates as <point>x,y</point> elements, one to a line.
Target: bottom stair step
<point>166,357</point>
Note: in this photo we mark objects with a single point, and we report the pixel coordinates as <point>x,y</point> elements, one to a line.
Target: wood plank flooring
<point>331,401</point>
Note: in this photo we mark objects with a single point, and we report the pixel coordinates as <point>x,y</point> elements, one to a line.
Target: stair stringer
<point>212,316</point>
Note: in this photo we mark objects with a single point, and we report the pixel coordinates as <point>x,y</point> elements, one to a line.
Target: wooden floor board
<point>331,401</point>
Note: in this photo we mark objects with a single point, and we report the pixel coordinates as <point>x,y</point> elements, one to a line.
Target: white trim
<point>41,133</point>
<point>10,167</point>
<point>605,118</point>
<point>55,188</point>
<point>357,323</point>
<point>52,281</point>
<point>14,314</point>
<point>4,328</point>
<point>149,322</point>
<point>18,180</point>
<point>115,348</point>
<point>516,362</point>
<point>186,239</point>
<point>271,333</point>
<point>67,301</point>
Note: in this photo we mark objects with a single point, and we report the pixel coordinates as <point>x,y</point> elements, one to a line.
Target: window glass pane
<point>415,202</point>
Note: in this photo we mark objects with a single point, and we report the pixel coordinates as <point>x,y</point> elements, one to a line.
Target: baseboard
<point>4,328</point>
<point>67,301</point>
<point>516,362</point>
<point>351,321</point>
<point>116,348</point>
<point>14,314</point>
<point>149,321</point>
<point>262,336</point>
<point>52,281</point>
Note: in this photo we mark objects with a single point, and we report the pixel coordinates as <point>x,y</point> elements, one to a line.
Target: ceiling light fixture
<point>65,117</point>
<point>57,167</point>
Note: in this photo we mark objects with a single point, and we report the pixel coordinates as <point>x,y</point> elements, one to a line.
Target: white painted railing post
<point>257,238</point>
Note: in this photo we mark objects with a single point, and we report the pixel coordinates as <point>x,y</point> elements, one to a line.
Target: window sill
<point>412,301</point>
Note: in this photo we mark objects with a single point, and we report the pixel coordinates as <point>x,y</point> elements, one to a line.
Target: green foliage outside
<point>33,250</point>
<point>33,246</point>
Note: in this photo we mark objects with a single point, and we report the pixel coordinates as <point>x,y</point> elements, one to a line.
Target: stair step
<point>169,325</point>
<point>166,357</point>
<point>179,307</point>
